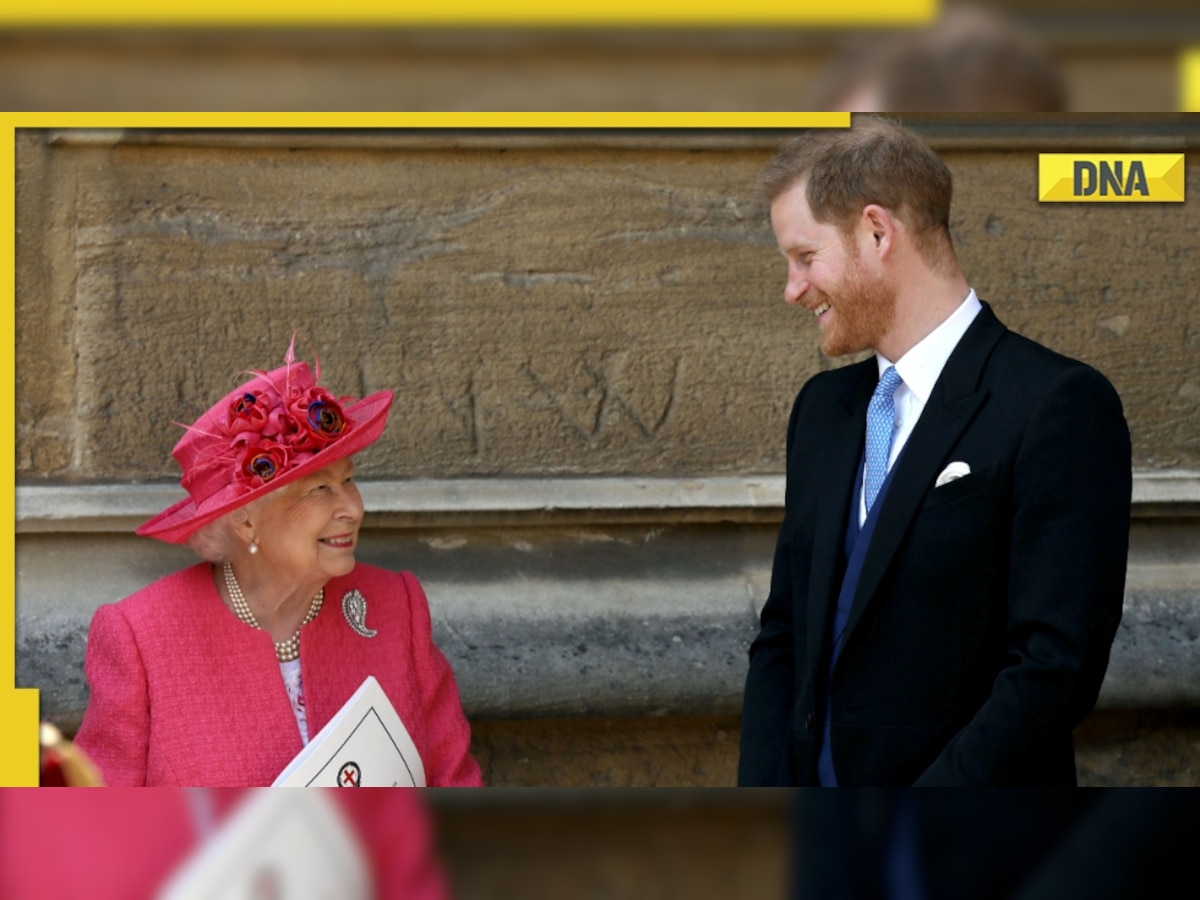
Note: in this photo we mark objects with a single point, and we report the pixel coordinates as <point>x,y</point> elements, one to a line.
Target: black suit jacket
<point>980,630</point>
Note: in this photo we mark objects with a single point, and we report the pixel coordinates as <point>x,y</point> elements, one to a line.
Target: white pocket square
<point>951,472</point>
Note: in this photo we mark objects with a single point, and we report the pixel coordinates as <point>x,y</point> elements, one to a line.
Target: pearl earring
<point>253,547</point>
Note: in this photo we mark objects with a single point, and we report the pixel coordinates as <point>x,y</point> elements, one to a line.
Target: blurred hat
<point>274,429</point>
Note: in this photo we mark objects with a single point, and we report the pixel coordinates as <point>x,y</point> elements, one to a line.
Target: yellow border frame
<point>582,13</point>
<point>19,708</point>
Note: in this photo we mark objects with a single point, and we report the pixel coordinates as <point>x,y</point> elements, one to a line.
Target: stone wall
<point>542,305</point>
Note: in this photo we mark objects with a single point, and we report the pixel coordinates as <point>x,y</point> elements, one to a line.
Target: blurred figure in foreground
<point>1012,844</point>
<point>180,843</point>
<point>970,60</point>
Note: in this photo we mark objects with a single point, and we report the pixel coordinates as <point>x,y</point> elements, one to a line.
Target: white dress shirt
<point>919,368</point>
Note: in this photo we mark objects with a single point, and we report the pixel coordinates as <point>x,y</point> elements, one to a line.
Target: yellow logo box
<point>1110,177</point>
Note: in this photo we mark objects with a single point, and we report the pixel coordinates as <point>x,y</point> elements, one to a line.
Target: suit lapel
<point>842,451</point>
<point>953,403</point>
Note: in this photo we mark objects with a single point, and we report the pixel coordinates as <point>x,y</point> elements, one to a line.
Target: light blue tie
<point>881,416</point>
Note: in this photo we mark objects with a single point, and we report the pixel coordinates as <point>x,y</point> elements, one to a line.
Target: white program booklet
<point>293,844</point>
<point>364,745</point>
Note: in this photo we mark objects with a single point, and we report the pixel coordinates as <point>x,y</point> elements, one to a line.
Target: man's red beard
<point>861,313</point>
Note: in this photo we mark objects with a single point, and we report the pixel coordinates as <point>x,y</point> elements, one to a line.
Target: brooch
<point>354,608</point>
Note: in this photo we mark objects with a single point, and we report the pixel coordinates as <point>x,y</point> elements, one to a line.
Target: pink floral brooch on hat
<point>277,427</point>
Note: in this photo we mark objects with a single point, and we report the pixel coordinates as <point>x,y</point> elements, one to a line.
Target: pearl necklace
<point>285,651</point>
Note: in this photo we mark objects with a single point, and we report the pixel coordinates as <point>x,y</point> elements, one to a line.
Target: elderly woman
<point>219,674</point>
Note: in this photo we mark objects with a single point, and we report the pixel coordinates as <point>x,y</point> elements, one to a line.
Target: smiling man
<point>950,570</point>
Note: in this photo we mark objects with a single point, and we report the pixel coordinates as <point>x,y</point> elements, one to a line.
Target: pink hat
<point>274,429</point>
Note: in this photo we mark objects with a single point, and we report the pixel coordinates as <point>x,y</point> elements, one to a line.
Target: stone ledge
<point>119,508</point>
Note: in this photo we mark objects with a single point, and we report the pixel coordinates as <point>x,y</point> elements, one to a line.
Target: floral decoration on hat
<point>276,428</point>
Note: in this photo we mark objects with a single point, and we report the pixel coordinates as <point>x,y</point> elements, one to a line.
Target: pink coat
<point>183,693</point>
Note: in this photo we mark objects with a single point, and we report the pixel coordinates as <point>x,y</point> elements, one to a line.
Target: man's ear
<point>878,229</point>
